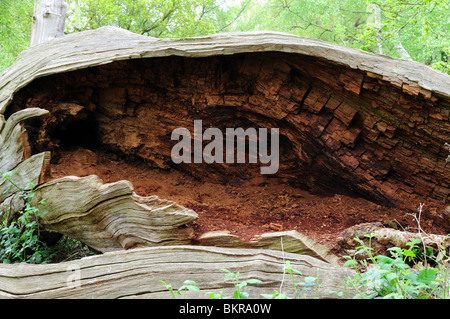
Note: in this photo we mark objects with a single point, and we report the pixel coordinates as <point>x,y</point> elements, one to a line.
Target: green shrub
<point>20,234</point>
<point>19,237</point>
<point>393,277</point>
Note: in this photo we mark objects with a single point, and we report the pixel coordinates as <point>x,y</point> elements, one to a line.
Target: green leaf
<point>409,253</point>
<point>391,276</point>
<point>427,276</point>
<point>228,274</point>
<point>350,263</point>
<point>310,279</point>
<point>254,281</point>
<point>242,285</point>
<point>384,259</point>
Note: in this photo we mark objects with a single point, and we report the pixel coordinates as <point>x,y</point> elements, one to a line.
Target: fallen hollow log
<point>349,121</point>
<point>137,273</point>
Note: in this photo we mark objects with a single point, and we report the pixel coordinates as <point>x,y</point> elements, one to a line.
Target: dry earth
<point>245,209</point>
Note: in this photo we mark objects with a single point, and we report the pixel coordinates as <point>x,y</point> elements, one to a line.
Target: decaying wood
<point>288,241</point>
<point>350,121</point>
<point>107,44</point>
<point>389,237</point>
<point>137,273</point>
<point>15,157</point>
<point>12,138</point>
<point>28,171</point>
<point>111,217</point>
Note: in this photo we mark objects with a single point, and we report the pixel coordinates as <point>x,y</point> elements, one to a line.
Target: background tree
<point>15,29</point>
<point>49,20</point>
<point>416,29</point>
<point>412,29</point>
<point>157,18</point>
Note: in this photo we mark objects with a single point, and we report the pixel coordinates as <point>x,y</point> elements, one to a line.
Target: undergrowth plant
<point>302,287</point>
<point>308,284</point>
<point>19,237</point>
<point>20,234</point>
<point>394,277</point>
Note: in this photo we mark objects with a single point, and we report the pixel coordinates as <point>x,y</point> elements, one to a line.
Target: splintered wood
<point>137,273</point>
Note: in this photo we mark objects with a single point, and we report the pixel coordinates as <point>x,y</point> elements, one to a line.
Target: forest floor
<point>245,210</point>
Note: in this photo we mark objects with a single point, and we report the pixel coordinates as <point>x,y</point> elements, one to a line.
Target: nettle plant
<point>300,288</point>
<point>393,277</point>
<point>19,236</point>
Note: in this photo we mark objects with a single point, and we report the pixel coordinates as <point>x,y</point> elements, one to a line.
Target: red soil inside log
<point>246,210</point>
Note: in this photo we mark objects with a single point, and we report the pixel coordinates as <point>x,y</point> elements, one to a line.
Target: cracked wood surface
<point>137,273</point>
<point>107,44</point>
<point>111,217</point>
<point>366,123</point>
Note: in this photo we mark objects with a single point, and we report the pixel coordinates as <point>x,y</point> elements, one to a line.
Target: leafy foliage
<point>20,234</point>
<point>393,277</point>
<point>15,29</point>
<point>416,30</point>
<point>157,18</point>
<point>19,237</point>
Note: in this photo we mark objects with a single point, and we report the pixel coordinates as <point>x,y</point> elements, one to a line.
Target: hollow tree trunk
<point>374,20</point>
<point>348,120</point>
<point>48,20</point>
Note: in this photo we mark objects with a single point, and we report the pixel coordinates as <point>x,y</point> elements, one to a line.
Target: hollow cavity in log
<point>340,132</point>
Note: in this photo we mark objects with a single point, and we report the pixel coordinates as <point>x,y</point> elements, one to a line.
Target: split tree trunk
<point>48,20</point>
<point>137,273</point>
<point>367,123</point>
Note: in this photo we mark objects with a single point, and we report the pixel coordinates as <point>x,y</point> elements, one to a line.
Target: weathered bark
<point>111,217</point>
<point>137,273</point>
<point>288,241</point>
<point>385,238</point>
<point>48,20</point>
<point>16,156</point>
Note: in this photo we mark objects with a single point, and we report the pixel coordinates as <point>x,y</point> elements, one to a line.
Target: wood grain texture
<point>350,121</point>
<point>288,241</point>
<point>15,157</point>
<point>12,138</point>
<point>108,44</point>
<point>385,238</point>
<point>137,273</point>
<point>111,216</point>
